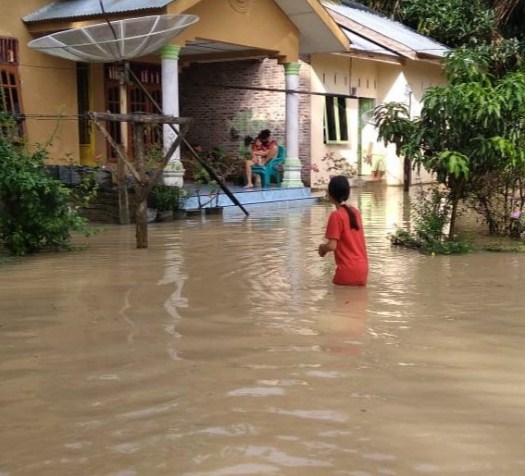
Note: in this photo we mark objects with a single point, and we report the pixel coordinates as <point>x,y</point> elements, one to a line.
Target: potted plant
<point>167,200</point>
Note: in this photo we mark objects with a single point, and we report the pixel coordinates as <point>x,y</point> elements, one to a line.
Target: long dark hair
<point>339,190</point>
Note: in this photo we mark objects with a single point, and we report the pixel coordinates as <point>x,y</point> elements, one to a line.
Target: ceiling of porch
<point>200,50</point>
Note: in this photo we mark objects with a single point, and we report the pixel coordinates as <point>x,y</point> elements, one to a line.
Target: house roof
<point>384,33</point>
<point>68,9</point>
<point>362,45</point>
<point>318,31</point>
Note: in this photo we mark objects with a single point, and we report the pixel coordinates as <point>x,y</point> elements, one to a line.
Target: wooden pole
<point>143,184</point>
<point>141,221</point>
<point>123,199</point>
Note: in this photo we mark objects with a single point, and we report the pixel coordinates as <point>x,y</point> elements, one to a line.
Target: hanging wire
<point>110,25</point>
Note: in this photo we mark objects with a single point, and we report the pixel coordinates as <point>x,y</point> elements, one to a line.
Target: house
<point>386,62</point>
<point>243,66</point>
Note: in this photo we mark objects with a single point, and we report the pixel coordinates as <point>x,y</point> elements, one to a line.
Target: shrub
<point>35,210</point>
<point>430,218</point>
<point>166,197</point>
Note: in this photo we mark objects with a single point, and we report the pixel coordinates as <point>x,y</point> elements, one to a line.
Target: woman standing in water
<point>345,236</point>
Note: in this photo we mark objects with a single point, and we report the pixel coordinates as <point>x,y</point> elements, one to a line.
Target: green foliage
<point>452,22</point>
<point>498,199</point>
<point>468,130</point>
<point>35,210</point>
<point>505,248</point>
<point>166,197</point>
<point>430,217</point>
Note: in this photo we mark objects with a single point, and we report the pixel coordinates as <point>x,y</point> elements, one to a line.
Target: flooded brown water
<point>223,349</point>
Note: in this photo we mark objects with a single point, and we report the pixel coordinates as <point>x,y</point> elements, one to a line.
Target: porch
<point>203,197</point>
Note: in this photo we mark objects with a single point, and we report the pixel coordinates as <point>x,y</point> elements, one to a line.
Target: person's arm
<point>271,153</point>
<point>333,233</point>
<point>329,246</point>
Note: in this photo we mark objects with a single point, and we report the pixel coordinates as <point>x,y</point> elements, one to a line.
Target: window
<point>335,120</point>
<point>10,97</point>
<point>83,102</point>
<point>150,77</point>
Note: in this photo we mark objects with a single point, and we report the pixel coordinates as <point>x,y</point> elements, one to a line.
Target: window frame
<point>150,75</point>
<point>336,122</point>
<point>10,84</point>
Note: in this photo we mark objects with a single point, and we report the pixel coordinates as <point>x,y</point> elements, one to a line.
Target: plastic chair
<point>271,169</point>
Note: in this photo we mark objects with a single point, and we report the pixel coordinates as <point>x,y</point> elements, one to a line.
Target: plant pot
<point>195,212</point>
<point>164,215</point>
<point>179,214</point>
<point>213,210</point>
<point>151,215</point>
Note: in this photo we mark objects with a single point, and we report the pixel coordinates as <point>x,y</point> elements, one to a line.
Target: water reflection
<point>224,349</point>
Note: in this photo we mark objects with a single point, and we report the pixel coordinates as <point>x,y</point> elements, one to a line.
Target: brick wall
<point>224,116</point>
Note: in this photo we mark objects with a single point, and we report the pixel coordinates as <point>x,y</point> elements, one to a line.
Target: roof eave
<point>430,58</point>
<point>382,40</point>
<point>319,32</point>
<point>379,57</point>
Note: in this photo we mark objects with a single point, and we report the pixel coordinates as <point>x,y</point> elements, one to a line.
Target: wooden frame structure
<point>137,168</point>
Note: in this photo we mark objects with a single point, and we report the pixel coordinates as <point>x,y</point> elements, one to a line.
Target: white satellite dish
<point>116,40</point>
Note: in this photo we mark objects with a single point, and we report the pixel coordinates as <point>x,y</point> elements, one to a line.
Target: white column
<point>174,172</point>
<point>292,164</point>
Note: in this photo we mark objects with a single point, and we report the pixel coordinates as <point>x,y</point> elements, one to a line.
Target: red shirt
<point>350,255</point>
<point>269,145</point>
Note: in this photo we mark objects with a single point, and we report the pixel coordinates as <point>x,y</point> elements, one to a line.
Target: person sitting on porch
<point>268,150</point>
<point>258,151</point>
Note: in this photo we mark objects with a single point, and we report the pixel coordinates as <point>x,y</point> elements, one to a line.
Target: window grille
<point>150,77</point>
<point>10,89</point>
<point>8,51</point>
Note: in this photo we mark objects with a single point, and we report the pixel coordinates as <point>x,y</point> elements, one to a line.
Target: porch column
<point>292,164</point>
<point>174,171</point>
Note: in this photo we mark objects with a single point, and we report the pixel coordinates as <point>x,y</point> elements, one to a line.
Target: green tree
<point>471,128</point>
<point>455,22</point>
<point>35,209</point>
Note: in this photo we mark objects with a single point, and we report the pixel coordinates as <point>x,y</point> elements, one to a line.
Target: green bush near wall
<point>35,210</point>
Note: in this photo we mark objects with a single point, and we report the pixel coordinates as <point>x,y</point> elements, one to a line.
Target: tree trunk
<point>407,174</point>
<point>141,222</point>
<point>141,212</point>
<point>453,217</point>
<point>123,200</point>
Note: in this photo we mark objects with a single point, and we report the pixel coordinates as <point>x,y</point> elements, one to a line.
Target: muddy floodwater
<point>223,349</point>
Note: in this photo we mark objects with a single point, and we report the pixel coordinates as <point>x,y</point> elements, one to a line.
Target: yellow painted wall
<point>48,85</point>
<point>253,28</point>
<point>384,82</point>
<point>396,83</point>
<point>340,75</point>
